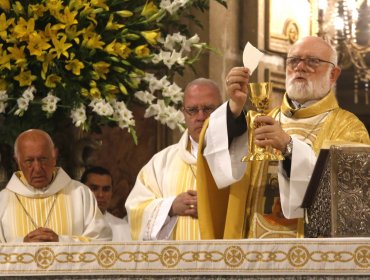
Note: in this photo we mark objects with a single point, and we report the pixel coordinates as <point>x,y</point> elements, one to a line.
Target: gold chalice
<point>260,95</point>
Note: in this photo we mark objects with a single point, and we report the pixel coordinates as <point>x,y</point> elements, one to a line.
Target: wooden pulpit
<point>337,200</point>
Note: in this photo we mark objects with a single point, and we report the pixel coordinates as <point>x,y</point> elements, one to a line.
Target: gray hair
<point>333,55</point>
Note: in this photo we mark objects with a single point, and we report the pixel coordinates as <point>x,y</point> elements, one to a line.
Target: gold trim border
<point>245,257</point>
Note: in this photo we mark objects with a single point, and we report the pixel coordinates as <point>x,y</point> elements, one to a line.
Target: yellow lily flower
<point>5,5</point>
<point>151,36</point>
<point>36,10</point>
<point>37,44</point>
<point>95,92</point>
<point>73,34</point>
<point>118,49</point>
<point>18,55</point>
<point>113,25</point>
<point>68,18</point>
<point>49,32</point>
<point>54,6</point>
<point>60,46</point>
<point>25,78</point>
<point>4,24</point>
<point>18,8</point>
<point>90,14</point>
<point>142,51</point>
<point>76,4</point>
<point>46,59</point>
<point>92,41</point>
<point>75,66</point>
<point>149,9</point>
<point>5,61</point>
<point>101,69</point>
<point>23,28</point>
<point>52,80</point>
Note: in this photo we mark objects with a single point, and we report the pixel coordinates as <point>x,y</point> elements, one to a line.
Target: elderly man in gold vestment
<point>163,201</point>
<point>262,199</point>
<point>41,203</point>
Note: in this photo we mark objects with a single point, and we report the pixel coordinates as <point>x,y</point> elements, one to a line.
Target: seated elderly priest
<point>41,203</point>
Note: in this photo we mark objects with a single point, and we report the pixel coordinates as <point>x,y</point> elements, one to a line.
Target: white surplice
<point>169,173</point>
<point>120,227</point>
<point>67,206</point>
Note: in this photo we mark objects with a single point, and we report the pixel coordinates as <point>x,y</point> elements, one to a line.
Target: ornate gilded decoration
<point>44,257</point>
<point>341,204</point>
<point>224,257</point>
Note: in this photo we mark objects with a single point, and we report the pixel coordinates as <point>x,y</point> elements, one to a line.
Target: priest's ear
<point>334,74</point>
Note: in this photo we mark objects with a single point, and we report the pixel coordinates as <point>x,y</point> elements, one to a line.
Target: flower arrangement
<point>86,61</point>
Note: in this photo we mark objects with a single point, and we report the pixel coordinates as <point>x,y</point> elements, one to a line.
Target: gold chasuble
<point>251,207</point>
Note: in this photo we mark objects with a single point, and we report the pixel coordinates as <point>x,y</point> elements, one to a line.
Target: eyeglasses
<point>312,62</point>
<point>192,111</point>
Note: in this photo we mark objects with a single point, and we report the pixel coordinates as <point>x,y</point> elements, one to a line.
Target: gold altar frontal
<point>242,258</point>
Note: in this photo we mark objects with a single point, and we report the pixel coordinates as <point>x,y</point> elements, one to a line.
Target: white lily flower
<point>29,93</point>
<point>170,58</point>
<point>171,40</point>
<point>101,107</point>
<point>3,106</point>
<point>172,7</point>
<point>174,92</point>
<point>155,84</point>
<point>152,110</point>
<point>174,118</point>
<point>145,96</point>
<point>122,115</point>
<point>78,115</point>
<point>188,43</point>
<point>49,103</point>
<point>167,115</point>
<point>22,106</point>
<point>3,96</point>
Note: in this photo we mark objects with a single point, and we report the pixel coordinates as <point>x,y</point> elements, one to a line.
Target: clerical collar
<point>194,147</point>
<point>315,107</point>
<point>298,105</point>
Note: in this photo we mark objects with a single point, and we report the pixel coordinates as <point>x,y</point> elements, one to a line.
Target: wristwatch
<point>289,149</point>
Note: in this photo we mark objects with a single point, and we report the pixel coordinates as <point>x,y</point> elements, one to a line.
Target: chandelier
<point>346,24</point>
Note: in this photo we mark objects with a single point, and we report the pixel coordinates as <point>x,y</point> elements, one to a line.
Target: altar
<point>342,258</point>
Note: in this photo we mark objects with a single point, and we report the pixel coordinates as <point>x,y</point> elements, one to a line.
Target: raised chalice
<point>260,96</point>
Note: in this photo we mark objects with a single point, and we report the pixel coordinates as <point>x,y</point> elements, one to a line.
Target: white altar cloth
<point>329,256</point>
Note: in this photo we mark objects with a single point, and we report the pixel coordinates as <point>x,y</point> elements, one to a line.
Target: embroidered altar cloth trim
<point>334,256</point>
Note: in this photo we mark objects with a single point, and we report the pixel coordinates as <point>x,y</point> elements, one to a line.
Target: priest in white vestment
<point>308,117</point>
<point>163,201</point>
<point>120,227</point>
<point>100,182</point>
<point>41,203</point>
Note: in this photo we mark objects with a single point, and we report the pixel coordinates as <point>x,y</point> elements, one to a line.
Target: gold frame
<point>285,29</point>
